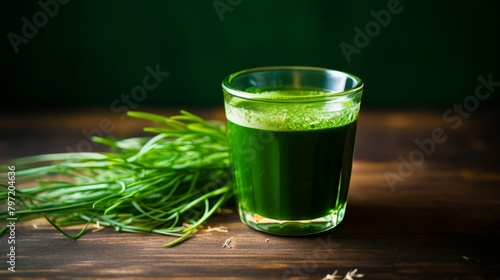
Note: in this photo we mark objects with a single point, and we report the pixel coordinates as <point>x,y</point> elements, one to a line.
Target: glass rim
<point>357,88</point>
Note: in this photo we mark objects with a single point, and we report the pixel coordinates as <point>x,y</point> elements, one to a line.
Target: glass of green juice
<point>291,133</point>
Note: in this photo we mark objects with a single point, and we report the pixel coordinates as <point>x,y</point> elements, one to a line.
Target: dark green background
<point>91,52</point>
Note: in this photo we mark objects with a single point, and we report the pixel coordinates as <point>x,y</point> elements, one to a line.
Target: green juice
<point>292,176</point>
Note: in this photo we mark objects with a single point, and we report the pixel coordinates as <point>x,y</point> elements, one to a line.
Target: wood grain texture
<point>440,222</point>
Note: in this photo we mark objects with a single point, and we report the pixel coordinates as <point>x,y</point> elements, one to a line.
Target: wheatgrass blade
<point>170,183</point>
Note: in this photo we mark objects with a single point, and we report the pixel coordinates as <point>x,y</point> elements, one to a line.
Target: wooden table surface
<point>436,218</point>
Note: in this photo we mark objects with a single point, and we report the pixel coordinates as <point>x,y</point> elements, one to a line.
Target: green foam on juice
<point>289,115</point>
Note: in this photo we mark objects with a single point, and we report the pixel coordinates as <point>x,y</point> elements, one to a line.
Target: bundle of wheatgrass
<point>168,184</point>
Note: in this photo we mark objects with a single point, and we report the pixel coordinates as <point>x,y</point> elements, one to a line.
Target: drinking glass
<point>291,133</point>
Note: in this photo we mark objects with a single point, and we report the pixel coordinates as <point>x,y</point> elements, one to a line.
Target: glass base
<point>292,227</point>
